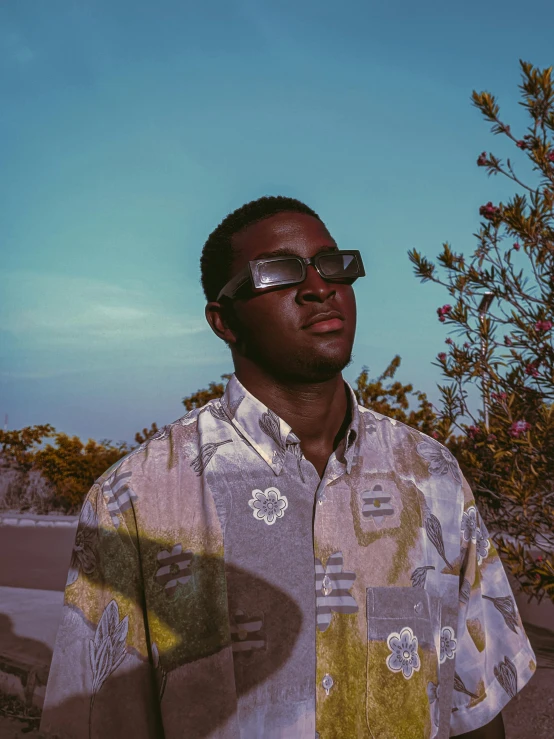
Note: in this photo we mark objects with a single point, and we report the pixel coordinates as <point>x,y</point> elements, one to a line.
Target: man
<point>284,562</point>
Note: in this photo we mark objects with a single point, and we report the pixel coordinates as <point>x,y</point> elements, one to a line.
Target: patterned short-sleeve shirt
<point>219,588</point>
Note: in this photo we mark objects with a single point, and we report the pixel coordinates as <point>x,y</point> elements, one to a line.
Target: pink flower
<point>481,162</point>
<point>499,396</point>
<point>442,357</point>
<point>543,325</point>
<point>551,156</point>
<point>532,370</point>
<point>489,211</point>
<point>449,341</point>
<point>507,341</point>
<point>491,437</point>
<point>517,246</point>
<point>467,345</point>
<point>435,435</point>
<point>539,558</point>
<point>473,431</point>
<point>518,428</point>
<point>443,311</point>
<point>521,145</point>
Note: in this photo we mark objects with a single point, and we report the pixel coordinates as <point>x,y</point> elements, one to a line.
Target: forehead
<point>295,231</point>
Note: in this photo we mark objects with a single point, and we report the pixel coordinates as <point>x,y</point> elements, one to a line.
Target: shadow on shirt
<point>197,678</point>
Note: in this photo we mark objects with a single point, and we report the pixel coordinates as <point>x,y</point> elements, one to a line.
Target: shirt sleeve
<point>494,658</point>
<point>100,683</point>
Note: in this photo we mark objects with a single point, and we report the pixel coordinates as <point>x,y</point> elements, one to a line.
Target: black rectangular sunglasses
<point>335,266</point>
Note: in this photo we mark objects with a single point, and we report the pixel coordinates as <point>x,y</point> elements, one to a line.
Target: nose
<point>314,282</point>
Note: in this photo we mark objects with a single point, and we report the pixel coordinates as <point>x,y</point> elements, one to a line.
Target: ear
<point>223,321</point>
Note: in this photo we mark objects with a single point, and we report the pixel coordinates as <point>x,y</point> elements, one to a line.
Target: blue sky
<point>128,130</point>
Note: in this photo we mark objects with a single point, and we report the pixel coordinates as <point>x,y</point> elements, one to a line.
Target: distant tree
<point>508,351</point>
<point>146,434</point>
<point>73,466</point>
<point>201,397</point>
<point>18,445</point>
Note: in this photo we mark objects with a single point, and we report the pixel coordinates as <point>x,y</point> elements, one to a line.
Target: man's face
<point>271,328</point>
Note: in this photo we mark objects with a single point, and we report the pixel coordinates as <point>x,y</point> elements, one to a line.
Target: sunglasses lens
<point>281,271</point>
<point>339,265</point>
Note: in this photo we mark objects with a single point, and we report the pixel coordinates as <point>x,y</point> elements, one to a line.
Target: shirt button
<point>327,683</point>
<point>418,608</point>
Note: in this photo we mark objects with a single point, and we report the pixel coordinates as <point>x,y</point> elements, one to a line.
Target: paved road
<point>35,558</point>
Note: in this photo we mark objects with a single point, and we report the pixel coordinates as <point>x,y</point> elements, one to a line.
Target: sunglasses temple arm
<point>234,285</point>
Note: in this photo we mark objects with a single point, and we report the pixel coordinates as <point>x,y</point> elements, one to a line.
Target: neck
<point>318,413</point>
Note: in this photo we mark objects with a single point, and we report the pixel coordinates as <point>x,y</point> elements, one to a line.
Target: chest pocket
<point>402,663</point>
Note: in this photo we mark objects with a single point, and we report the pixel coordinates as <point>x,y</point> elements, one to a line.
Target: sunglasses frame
<point>249,273</point>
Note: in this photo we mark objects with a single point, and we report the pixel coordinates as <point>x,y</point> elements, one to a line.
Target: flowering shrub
<point>507,453</point>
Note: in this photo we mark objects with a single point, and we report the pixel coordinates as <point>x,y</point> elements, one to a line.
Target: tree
<point>201,397</point>
<point>393,401</point>
<point>18,445</point>
<point>146,434</point>
<point>73,467</point>
<point>508,455</point>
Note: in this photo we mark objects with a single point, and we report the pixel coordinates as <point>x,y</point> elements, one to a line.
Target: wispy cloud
<point>60,310</point>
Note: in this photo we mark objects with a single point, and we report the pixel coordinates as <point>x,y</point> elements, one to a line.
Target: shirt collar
<point>269,434</point>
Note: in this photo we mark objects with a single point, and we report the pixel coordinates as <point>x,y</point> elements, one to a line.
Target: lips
<point>323,317</point>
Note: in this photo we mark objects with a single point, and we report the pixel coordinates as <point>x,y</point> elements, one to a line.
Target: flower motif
<point>404,657</point>
<point>247,633</point>
<point>448,644</point>
<point>376,504</point>
<point>441,461</point>
<point>332,586</point>
<point>175,568</point>
<point>107,650</point>
<point>506,674</point>
<point>433,530</point>
<point>505,605</point>
<point>268,505</point>
<point>419,576</point>
<point>483,546</point>
<point>118,494</point>
<point>84,555</point>
<point>469,524</point>
<point>460,687</point>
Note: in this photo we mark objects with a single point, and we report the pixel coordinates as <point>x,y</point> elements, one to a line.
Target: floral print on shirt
<point>194,565</point>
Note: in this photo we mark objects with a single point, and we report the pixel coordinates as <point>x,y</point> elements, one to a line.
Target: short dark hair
<point>217,253</point>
